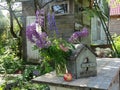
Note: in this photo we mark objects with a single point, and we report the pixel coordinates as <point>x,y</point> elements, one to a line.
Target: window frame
<point>60,3</point>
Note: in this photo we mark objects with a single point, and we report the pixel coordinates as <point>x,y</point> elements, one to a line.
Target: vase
<point>60,69</point>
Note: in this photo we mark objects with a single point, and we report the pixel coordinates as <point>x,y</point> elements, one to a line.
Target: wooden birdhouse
<point>82,62</point>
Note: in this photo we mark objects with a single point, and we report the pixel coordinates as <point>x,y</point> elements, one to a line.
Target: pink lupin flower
<point>62,47</point>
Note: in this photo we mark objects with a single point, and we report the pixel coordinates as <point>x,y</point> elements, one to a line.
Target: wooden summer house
<point>70,16</point>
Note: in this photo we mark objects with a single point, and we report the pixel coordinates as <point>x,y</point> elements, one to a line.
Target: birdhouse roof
<point>79,49</point>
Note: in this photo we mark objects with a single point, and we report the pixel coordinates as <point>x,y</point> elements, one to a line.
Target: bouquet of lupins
<point>52,49</point>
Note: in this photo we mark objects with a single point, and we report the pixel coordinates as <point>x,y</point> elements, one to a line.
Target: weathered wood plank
<point>115,83</point>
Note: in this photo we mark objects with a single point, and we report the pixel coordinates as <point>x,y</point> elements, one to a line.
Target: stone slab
<point>107,72</point>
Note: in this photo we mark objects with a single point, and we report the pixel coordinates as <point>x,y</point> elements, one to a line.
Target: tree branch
<point>38,6</point>
<point>13,14</point>
<point>11,22</point>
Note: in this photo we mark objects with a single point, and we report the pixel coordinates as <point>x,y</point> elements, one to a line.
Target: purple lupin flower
<point>29,32</point>
<point>37,16</point>
<point>49,21</point>
<point>78,34</point>
<point>42,12</point>
<point>36,73</point>
<point>46,42</point>
<point>41,21</point>
<point>44,35</point>
<point>74,36</point>
<point>40,17</point>
<point>52,22</point>
<point>40,39</point>
<point>84,32</point>
<point>29,35</point>
<point>39,44</point>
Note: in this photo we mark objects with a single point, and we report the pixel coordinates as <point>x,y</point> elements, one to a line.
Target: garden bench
<point>107,78</point>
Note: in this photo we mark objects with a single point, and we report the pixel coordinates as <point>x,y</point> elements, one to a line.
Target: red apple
<point>18,72</point>
<point>67,77</point>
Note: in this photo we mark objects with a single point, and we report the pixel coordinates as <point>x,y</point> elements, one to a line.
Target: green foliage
<point>27,85</point>
<point>29,70</point>
<point>117,43</point>
<point>30,86</point>
<point>9,62</point>
<point>16,27</point>
<point>18,83</point>
<point>55,55</point>
<point>11,66</point>
<point>47,65</point>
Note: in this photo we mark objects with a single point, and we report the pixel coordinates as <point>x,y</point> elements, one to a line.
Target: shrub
<point>117,43</point>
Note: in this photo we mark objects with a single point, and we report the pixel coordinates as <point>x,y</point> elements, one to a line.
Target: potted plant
<point>55,50</point>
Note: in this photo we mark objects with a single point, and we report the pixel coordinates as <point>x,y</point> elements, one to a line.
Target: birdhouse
<point>82,62</point>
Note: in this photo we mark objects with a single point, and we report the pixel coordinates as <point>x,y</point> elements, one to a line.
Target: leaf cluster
<point>55,54</point>
<point>117,43</point>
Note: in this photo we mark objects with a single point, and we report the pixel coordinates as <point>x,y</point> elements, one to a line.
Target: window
<point>60,8</point>
<point>98,36</point>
